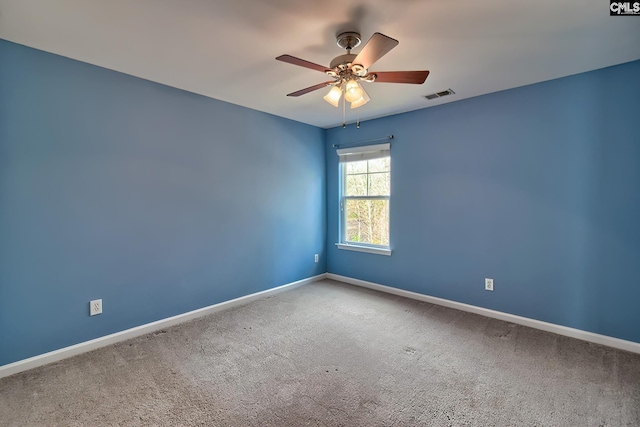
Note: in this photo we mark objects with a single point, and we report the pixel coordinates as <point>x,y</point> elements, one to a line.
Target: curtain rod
<point>382,138</point>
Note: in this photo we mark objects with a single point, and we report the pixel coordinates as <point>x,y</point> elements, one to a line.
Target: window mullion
<point>367,177</point>
<point>366,198</point>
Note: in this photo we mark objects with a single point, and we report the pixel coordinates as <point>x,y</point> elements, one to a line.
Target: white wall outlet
<point>488,284</point>
<point>95,307</point>
<point>316,257</point>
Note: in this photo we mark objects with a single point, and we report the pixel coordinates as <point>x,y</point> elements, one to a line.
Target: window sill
<point>368,249</point>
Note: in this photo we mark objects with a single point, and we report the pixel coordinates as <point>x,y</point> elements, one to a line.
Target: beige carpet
<point>329,354</point>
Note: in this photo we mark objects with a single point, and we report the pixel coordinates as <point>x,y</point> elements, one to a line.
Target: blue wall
<point>536,187</point>
<point>160,201</point>
<point>156,200</point>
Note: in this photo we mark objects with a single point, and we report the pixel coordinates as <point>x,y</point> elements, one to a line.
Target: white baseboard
<point>525,321</point>
<point>83,347</point>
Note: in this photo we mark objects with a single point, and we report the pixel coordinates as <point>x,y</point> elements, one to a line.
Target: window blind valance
<point>366,152</point>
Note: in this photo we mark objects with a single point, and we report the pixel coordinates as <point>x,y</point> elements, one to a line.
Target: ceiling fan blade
<point>377,47</point>
<point>301,62</point>
<point>310,88</point>
<point>412,77</point>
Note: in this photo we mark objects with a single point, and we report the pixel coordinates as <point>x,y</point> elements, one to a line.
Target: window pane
<point>367,221</point>
<point>357,167</point>
<point>380,165</point>
<point>356,185</point>
<point>379,184</point>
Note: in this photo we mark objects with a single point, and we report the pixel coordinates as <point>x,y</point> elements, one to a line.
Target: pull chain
<point>344,113</point>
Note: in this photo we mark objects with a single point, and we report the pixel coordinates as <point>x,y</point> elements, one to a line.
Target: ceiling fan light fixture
<point>363,100</point>
<point>353,91</point>
<point>333,97</point>
<point>359,103</point>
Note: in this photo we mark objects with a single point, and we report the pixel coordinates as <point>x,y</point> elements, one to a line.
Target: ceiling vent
<point>440,94</point>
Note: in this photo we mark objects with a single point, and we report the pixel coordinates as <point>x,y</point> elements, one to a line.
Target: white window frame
<point>353,154</point>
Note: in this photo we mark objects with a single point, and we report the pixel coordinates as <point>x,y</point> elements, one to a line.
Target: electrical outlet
<point>488,284</point>
<point>95,307</point>
<point>316,257</point>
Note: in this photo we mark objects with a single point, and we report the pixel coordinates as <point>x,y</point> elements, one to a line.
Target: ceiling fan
<point>349,70</point>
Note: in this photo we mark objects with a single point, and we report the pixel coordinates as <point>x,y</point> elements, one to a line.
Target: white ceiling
<point>225,49</point>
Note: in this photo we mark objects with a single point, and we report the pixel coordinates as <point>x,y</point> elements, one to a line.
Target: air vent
<point>440,94</point>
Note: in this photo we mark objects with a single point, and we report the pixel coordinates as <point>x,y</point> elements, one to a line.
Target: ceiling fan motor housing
<point>342,66</point>
<point>342,61</point>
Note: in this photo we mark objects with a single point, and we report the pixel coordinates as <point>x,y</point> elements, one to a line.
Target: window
<point>365,187</point>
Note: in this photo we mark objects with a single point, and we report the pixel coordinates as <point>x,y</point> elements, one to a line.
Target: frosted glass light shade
<point>353,91</point>
<point>361,101</point>
<point>333,97</point>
